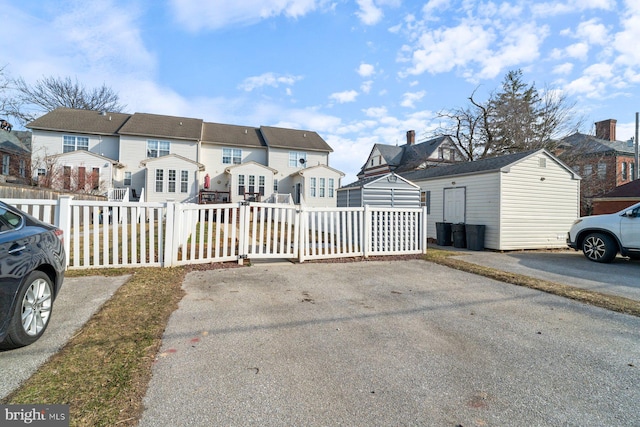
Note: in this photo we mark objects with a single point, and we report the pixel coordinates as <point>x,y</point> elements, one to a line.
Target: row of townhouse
<point>161,157</point>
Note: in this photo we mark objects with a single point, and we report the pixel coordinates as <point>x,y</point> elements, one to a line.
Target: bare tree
<point>30,101</point>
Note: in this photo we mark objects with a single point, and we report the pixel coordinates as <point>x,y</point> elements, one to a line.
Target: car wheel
<point>32,313</point>
<point>599,247</point>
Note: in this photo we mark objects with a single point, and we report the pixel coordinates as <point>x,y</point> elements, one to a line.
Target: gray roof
<point>143,124</point>
<point>294,139</point>
<point>80,121</point>
<point>414,155</point>
<point>217,133</point>
<point>10,143</point>
<point>464,168</point>
<point>589,144</point>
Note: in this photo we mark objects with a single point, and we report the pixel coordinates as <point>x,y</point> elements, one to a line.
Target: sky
<point>358,72</point>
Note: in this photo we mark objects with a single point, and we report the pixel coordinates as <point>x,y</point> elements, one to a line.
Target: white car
<point>601,237</point>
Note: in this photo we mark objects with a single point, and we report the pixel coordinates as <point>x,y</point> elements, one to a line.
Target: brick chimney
<point>606,129</point>
<point>411,137</point>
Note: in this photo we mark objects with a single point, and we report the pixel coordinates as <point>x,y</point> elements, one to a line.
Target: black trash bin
<point>443,233</point>
<point>459,238</point>
<point>475,237</point>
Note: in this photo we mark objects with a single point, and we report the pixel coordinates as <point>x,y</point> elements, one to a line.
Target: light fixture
<point>392,178</point>
<point>542,179</point>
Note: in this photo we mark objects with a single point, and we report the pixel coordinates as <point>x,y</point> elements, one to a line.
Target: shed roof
<point>364,182</point>
<point>465,168</point>
<point>80,121</point>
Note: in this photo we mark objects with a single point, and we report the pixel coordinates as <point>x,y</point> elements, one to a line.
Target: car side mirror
<point>631,213</point>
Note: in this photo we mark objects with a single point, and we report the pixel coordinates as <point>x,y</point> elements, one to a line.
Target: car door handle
<point>16,249</point>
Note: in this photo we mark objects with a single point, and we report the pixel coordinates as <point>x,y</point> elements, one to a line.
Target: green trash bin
<point>443,233</point>
<point>475,237</point>
<point>459,238</point>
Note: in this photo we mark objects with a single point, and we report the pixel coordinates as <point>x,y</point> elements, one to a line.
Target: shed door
<point>454,205</point>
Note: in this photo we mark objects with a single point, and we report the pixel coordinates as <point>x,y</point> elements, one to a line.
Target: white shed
<point>388,190</point>
<point>525,201</point>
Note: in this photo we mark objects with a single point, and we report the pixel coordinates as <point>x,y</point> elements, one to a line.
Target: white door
<point>454,205</point>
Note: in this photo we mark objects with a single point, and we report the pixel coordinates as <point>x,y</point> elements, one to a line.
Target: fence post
<point>243,239</point>
<point>169,233</point>
<point>366,231</point>
<point>300,219</point>
<point>423,228</point>
<point>63,221</point>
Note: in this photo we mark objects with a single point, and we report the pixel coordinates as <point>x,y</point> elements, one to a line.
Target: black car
<point>32,266</point>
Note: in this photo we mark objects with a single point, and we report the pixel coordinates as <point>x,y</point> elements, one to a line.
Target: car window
<point>9,220</point>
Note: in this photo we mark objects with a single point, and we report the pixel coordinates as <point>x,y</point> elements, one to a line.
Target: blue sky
<point>357,72</point>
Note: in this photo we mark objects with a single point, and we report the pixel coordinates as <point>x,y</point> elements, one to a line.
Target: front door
<point>454,205</point>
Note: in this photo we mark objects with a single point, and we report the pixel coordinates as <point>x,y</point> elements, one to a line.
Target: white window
<point>322,187</point>
<point>252,184</point>
<point>331,187</point>
<point>623,171</point>
<point>5,164</point>
<point>261,185</point>
<point>602,170</point>
<point>172,181</point>
<point>588,170</point>
<point>23,168</point>
<point>297,159</point>
<point>159,180</point>
<point>312,187</point>
<point>41,173</point>
<point>73,143</point>
<point>127,178</point>
<point>632,171</point>
<point>240,185</point>
<point>157,148</point>
<point>184,181</point>
<point>231,156</point>
<point>275,185</point>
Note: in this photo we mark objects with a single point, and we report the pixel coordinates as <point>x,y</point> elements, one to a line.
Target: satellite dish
<point>302,161</point>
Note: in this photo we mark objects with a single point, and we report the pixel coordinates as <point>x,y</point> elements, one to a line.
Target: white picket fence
<point>130,234</point>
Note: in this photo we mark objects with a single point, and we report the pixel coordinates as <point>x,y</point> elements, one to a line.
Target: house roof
<point>305,170</point>
<point>217,133</point>
<point>477,166</point>
<point>304,140</point>
<point>175,156</point>
<point>589,144</point>
<point>630,189</point>
<point>154,125</point>
<point>9,142</point>
<point>80,121</point>
<point>90,154</point>
<point>249,163</point>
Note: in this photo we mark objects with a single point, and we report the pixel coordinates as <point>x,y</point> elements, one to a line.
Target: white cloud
<point>376,112</point>
<point>365,87</point>
<point>578,51</point>
<point>268,79</point>
<point>369,13</point>
<point>344,97</point>
<point>196,14</point>
<point>557,8</point>
<point>593,32</point>
<point>626,41</point>
<point>410,98</point>
<point>565,68</point>
<point>366,70</point>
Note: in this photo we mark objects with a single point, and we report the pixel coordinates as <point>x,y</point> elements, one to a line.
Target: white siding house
<point>273,160</point>
<point>526,201</point>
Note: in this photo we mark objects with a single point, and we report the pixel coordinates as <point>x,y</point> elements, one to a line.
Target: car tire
<point>599,247</point>
<point>32,313</point>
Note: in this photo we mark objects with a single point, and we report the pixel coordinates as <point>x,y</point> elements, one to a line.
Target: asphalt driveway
<point>389,343</point>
